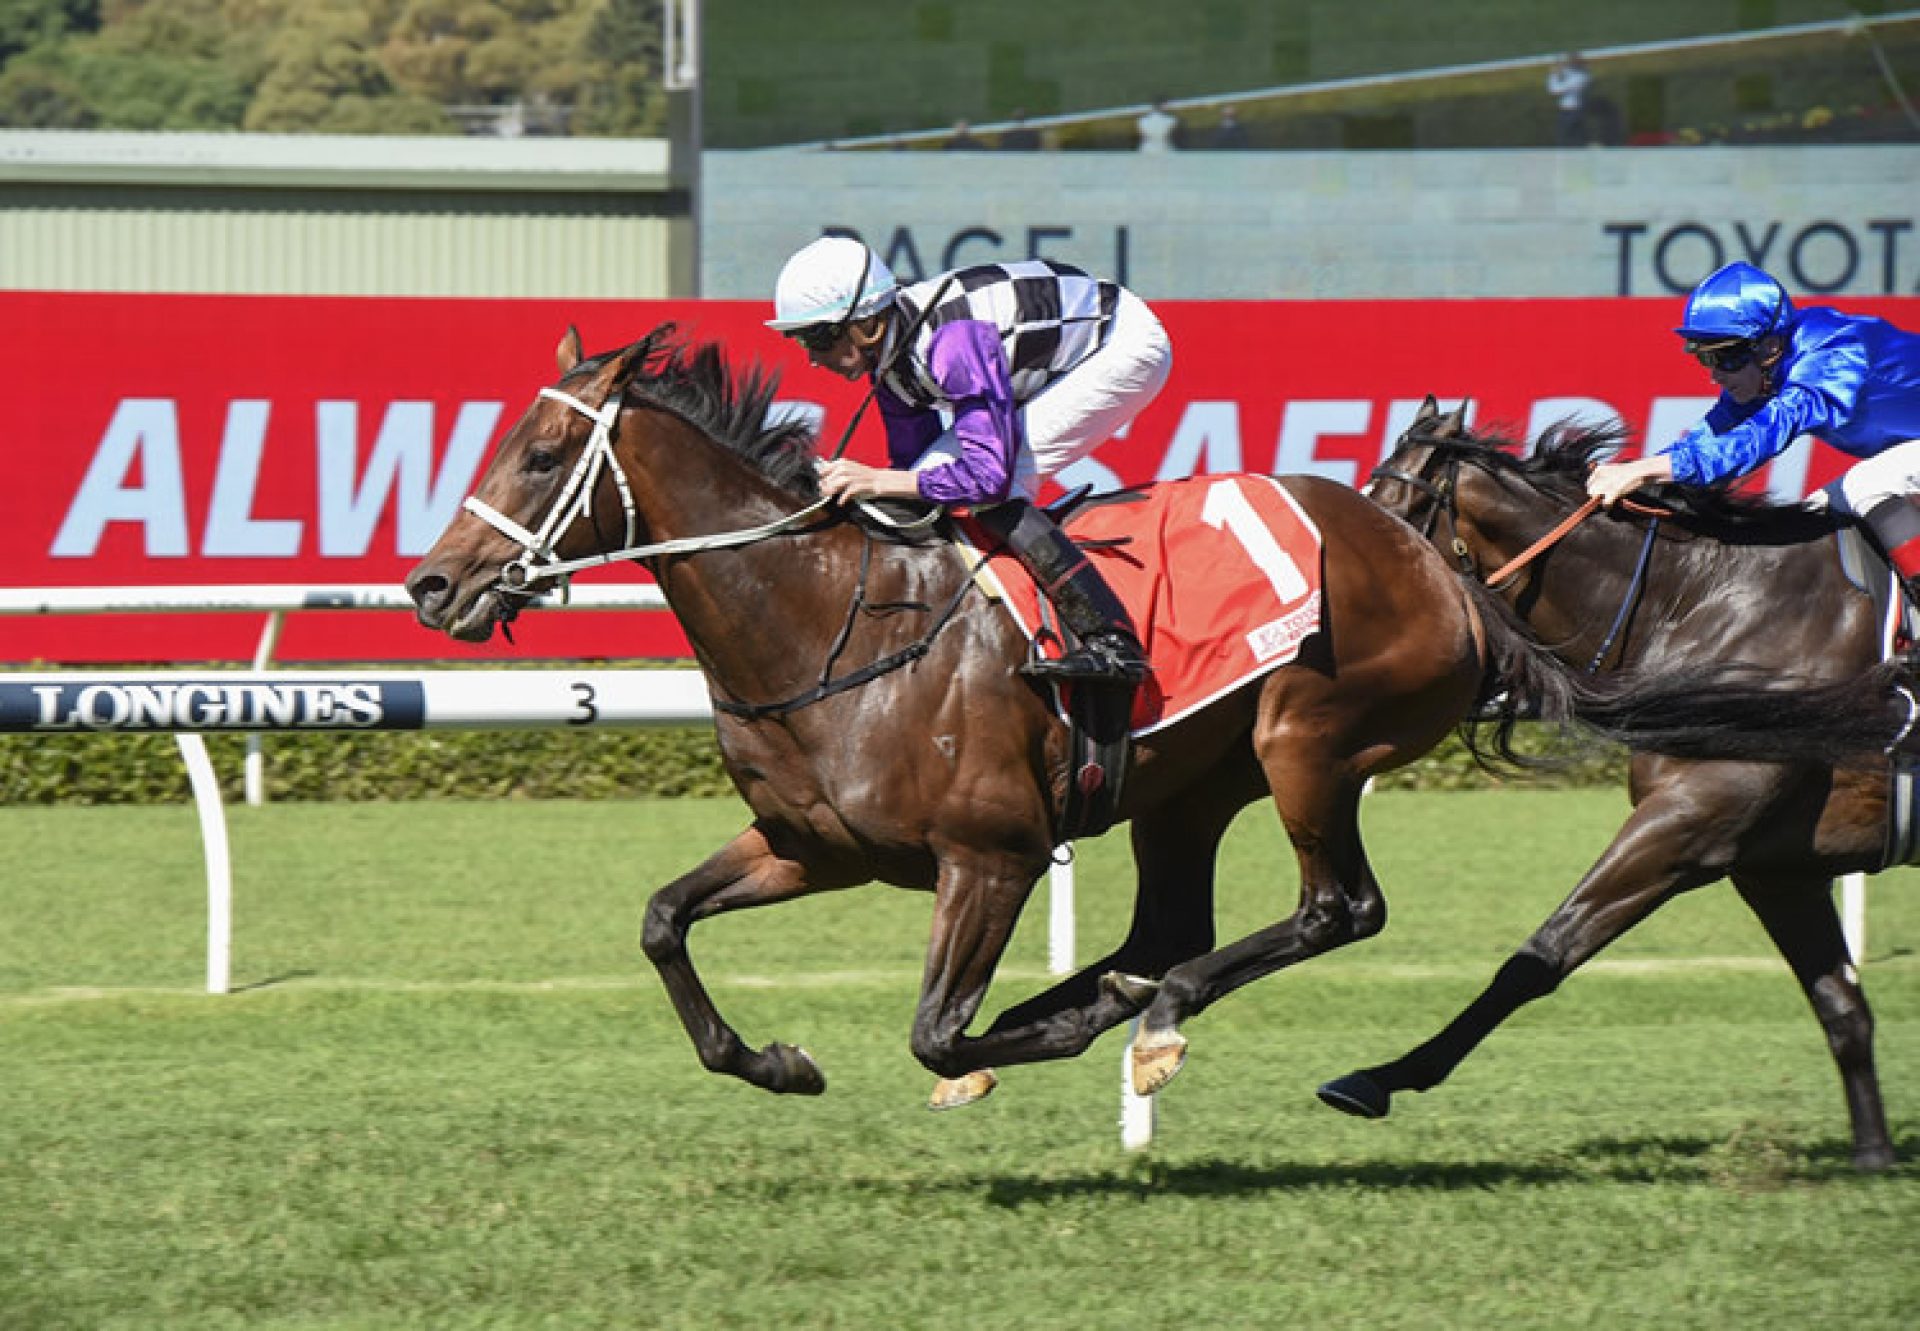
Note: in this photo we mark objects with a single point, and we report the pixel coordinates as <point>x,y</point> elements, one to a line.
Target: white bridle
<point>539,563</point>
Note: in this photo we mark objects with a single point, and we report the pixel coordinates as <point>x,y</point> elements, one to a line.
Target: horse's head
<point>553,493</point>
<point>1420,480</point>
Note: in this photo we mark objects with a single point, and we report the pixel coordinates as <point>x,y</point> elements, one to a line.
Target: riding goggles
<point>819,338</point>
<point>1726,359</point>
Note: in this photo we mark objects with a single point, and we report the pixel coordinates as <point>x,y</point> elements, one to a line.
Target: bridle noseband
<point>1443,492</point>
<point>539,563</point>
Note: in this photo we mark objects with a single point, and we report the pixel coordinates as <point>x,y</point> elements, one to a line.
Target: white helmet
<point>836,279</point>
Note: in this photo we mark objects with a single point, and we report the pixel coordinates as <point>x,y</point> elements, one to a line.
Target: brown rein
<point>1547,542</point>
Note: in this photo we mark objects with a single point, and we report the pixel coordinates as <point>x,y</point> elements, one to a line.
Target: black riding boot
<point>1895,524</point>
<point>1109,650</point>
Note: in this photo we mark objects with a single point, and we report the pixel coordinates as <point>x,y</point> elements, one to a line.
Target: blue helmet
<point>1737,303</point>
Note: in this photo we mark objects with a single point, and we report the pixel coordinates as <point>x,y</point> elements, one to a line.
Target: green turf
<point>450,1094</point>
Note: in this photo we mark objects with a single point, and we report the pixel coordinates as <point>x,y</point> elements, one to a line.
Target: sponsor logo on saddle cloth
<point>1220,573</point>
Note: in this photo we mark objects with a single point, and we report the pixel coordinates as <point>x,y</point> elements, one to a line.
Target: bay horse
<point>1698,576</point>
<point>868,709</point>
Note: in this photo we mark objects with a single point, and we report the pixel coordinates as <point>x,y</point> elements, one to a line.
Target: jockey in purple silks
<point>989,379</point>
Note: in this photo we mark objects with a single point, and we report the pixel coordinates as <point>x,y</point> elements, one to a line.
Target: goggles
<point>819,338</point>
<point>1726,359</point>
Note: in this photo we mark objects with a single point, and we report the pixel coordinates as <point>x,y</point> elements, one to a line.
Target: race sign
<point>166,440</point>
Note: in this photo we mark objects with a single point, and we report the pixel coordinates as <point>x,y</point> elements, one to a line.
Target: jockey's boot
<point>1109,650</point>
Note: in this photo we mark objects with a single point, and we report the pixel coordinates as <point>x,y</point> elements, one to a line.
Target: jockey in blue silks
<point>989,380</point>
<point>1783,372</point>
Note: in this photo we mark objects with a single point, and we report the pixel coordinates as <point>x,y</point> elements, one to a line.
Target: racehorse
<point>1702,576</point>
<point>869,711</point>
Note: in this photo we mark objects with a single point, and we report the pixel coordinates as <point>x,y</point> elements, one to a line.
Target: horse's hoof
<point>1357,1094</point>
<point>1134,990</point>
<point>1157,1056</point>
<point>795,1072</point>
<point>958,1092</point>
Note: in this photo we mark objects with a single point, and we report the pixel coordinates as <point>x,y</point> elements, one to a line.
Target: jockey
<point>1852,380</point>
<point>1033,363</point>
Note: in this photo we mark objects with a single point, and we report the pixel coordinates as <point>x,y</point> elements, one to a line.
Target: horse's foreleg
<point>977,899</point>
<point>1800,918</point>
<point>746,872</point>
<point>1647,862</point>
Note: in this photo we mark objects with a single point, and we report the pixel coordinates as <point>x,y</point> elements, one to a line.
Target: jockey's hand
<point>1610,481</point>
<point>844,480</point>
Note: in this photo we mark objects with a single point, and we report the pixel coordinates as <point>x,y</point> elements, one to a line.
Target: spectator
<point>963,139</point>
<point>1157,128</point>
<point>1229,134</point>
<point>1021,137</point>
<point>1567,84</point>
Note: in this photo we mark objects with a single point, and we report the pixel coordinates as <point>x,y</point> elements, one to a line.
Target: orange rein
<point>1573,519</point>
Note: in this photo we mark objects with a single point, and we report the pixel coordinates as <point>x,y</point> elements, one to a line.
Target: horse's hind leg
<point>1175,846</point>
<point>1318,796</point>
<point>748,871</point>
<point>1799,916</point>
<point>1649,860</point>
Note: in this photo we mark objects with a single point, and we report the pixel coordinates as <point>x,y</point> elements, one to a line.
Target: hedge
<point>520,764</point>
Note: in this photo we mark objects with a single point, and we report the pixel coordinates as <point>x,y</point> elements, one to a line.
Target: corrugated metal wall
<point>431,242</point>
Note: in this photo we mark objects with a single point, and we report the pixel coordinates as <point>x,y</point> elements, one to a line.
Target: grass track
<point>454,1097</point>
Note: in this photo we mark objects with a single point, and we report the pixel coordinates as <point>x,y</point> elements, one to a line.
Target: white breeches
<point>1871,481</point>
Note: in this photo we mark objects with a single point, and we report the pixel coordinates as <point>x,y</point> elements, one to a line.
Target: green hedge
<point>529,764</point>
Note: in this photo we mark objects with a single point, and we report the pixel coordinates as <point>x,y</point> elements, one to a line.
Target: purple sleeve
<point>910,430</point>
<point>965,360</point>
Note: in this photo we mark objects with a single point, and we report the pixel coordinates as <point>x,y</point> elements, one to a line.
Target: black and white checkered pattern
<point>1050,316</point>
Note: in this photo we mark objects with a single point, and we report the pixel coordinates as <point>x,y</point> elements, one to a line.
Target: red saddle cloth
<point>1220,573</point>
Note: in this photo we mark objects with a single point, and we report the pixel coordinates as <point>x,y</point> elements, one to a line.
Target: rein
<point>1443,494</point>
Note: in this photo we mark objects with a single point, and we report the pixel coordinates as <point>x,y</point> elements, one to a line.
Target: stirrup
<point>1108,659</point>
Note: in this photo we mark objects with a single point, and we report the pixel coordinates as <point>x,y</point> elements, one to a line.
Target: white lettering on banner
<point>1580,412</point>
<point>232,530</point>
<point>1207,440</point>
<point>146,431</point>
<point>402,461</point>
<point>1304,423</point>
<point>204,706</point>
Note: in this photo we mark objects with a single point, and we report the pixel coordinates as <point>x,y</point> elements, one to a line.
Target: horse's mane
<point>1566,451</point>
<point>695,383</point>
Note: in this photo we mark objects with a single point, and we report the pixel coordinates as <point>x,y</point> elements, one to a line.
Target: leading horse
<point>869,711</point>
<point>1701,576</point>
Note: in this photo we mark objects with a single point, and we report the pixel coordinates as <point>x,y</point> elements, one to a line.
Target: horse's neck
<point>762,618</point>
<point>1694,596</point>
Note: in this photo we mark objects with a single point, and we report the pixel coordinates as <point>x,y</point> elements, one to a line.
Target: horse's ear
<point>567,354</point>
<point>1455,422</point>
<point>1428,410</point>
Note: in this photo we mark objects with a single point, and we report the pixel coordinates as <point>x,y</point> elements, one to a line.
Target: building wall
<point>316,215</point>
<point>1504,223</point>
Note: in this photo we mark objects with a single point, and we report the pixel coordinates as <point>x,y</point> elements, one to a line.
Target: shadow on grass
<point>273,980</point>
<point>1750,1159</point>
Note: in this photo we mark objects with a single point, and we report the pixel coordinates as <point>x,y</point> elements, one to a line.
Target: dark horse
<point>1722,579</point>
<point>869,711</point>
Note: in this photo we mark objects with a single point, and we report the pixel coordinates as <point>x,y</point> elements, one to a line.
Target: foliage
<point>344,66</point>
<point>537,764</point>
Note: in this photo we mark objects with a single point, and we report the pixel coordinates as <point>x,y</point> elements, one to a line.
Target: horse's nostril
<point>427,589</point>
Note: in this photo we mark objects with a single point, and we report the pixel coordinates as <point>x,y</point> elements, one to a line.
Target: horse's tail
<point>1727,711</point>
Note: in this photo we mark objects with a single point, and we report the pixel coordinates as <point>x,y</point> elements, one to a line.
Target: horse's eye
<point>541,460</point>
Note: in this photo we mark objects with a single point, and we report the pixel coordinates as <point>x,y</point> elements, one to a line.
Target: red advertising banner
<point>187,440</point>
